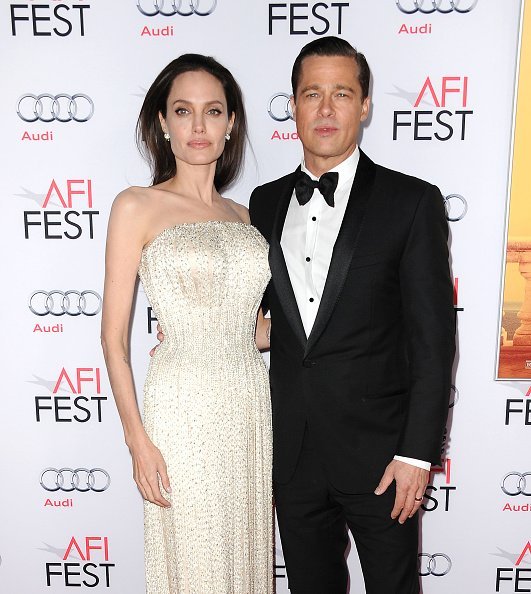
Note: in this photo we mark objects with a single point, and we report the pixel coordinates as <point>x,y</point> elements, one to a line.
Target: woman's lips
<point>199,144</point>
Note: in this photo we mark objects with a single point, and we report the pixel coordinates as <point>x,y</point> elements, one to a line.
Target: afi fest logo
<point>85,562</point>
<point>66,211</point>
<point>48,19</point>
<point>446,116</point>
<point>75,398</point>
<point>518,410</point>
<point>306,18</point>
<point>518,577</point>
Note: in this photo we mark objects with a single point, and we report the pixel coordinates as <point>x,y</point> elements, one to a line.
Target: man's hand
<point>411,484</point>
<point>160,338</point>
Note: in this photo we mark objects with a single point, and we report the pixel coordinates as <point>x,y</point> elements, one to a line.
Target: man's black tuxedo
<point>373,378</point>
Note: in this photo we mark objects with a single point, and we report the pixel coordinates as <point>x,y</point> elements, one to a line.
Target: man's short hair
<point>332,46</point>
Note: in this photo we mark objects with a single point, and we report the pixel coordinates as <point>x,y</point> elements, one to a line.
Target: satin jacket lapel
<point>345,246</point>
<point>277,264</point>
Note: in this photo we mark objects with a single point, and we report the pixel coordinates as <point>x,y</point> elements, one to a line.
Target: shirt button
<point>308,259</point>
<point>314,218</point>
<point>311,299</point>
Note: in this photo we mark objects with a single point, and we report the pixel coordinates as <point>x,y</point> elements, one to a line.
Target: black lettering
<point>321,18</point>
<point>464,113</point>
<point>39,407</point>
<point>396,123</point>
<point>78,406</point>
<point>47,224</point>
<point>273,17</point>
<point>430,498</point>
<point>419,124</point>
<point>96,578</point>
<point>509,410</point>
<point>446,125</point>
<point>60,18</point>
<point>81,17</point>
<point>78,227</point>
<point>50,573</point>
<point>36,18</point>
<point>519,579</point>
<point>339,6</point>
<point>150,319</point>
<point>69,572</point>
<point>15,18</point>
<point>528,412</point>
<point>27,223</point>
<point>99,400</point>
<point>58,407</point>
<point>447,497</point>
<point>500,578</point>
<point>293,17</point>
<point>90,214</point>
<point>107,578</point>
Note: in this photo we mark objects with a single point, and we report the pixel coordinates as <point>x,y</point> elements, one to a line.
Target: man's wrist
<point>414,462</point>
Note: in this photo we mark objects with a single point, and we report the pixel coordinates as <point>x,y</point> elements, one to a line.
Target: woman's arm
<point>125,238</point>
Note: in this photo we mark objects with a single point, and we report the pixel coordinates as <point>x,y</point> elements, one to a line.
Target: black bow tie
<point>305,185</point>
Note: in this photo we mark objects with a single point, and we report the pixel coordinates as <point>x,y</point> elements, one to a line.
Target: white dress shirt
<point>308,239</point>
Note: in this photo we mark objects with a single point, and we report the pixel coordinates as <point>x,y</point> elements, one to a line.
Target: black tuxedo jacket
<point>373,378</point>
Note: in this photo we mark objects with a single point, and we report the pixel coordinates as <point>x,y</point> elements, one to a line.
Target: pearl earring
<point>227,136</point>
<point>167,136</point>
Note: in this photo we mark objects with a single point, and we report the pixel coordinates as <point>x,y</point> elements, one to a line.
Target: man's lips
<point>325,130</point>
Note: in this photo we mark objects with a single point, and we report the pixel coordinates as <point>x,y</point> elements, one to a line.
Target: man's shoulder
<point>275,184</point>
<point>400,180</point>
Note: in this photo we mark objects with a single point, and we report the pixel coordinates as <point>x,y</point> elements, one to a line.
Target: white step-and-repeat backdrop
<point>74,76</point>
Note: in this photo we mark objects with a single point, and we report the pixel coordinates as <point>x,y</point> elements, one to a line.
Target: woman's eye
<point>214,111</point>
<point>181,111</point>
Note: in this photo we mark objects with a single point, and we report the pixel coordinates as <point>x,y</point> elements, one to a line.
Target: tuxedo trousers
<point>314,518</point>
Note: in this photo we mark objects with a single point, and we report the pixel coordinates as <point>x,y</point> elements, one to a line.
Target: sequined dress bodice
<point>207,408</point>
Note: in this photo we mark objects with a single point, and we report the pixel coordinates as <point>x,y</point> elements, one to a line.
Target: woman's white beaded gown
<point>207,408</point>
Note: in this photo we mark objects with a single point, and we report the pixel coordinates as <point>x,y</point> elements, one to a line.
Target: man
<point>362,338</point>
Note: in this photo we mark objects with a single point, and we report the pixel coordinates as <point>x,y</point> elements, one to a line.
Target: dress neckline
<point>191,224</point>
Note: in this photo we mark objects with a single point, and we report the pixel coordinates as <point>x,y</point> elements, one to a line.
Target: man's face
<point>328,108</point>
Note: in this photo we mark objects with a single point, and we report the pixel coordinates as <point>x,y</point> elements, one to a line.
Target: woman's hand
<point>148,466</point>
<point>262,331</point>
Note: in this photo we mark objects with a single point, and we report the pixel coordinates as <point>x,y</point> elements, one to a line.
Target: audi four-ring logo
<point>515,483</point>
<point>59,303</point>
<point>279,107</point>
<point>442,6</point>
<point>59,108</point>
<point>172,7</point>
<point>456,207</point>
<point>437,564</point>
<point>75,479</point>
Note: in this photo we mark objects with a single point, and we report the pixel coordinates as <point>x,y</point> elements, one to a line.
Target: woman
<point>206,430</point>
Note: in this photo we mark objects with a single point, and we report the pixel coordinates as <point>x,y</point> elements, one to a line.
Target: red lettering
<point>527,549</point>
<point>53,187</point>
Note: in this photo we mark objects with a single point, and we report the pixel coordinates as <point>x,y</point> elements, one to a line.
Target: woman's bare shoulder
<point>241,210</point>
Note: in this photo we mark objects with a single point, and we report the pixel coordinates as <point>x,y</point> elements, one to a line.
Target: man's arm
<point>429,321</point>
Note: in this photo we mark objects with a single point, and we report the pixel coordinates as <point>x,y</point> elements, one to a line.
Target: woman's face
<point>197,118</point>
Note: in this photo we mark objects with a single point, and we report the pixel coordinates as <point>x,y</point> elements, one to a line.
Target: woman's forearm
<point>121,379</point>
